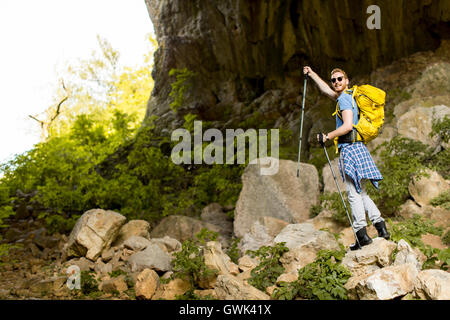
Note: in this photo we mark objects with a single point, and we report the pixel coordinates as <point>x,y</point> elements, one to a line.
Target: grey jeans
<point>360,203</point>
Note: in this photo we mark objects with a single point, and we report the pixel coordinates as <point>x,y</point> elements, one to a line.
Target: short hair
<point>339,70</point>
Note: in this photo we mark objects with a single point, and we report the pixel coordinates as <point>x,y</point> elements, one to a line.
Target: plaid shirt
<point>357,162</point>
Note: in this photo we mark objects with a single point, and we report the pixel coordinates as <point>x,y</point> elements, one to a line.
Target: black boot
<point>363,239</point>
<point>382,231</point>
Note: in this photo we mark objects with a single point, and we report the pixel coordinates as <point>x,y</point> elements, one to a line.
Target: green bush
<point>323,279</point>
<point>269,268</point>
<point>402,158</point>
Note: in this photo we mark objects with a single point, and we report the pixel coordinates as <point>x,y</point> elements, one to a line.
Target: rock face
<point>282,195</point>
<point>94,231</point>
<point>241,49</point>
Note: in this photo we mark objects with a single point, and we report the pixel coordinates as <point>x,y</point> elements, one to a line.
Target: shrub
<point>323,279</point>
<point>270,268</point>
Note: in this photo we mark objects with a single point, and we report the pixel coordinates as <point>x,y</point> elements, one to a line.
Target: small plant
<point>206,235</point>
<point>89,284</point>
<point>233,251</point>
<point>189,264</point>
<point>442,200</point>
<point>323,279</point>
<point>333,202</point>
<point>269,268</point>
<point>411,231</point>
<point>180,85</point>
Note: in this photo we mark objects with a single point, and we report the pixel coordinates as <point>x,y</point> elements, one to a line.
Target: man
<point>355,162</point>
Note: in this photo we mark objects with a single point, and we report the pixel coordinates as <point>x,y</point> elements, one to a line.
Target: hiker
<point>355,162</point>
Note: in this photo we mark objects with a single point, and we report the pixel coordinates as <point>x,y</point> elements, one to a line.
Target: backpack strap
<point>337,112</point>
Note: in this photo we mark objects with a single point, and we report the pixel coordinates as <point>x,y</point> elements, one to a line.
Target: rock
<point>228,287</point>
<point>328,181</point>
<point>47,286</point>
<point>153,257</point>
<point>146,284</point>
<point>181,228</point>
<point>136,243</point>
<point>305,235</point>
<point>370,258</point>
<point>424,189</point>
<point>94,232</point>
<point>406,254</point>
<point>387,283</point>
<point>282,195</point>
<point>169,291</point>
<point>247,263</point>
<point>103,268</point>
<point>107,255</point>
<point>214,214</point>
<point>117,284</point>
<point>433,284</point>
<point>82,263</point>
<point>303,241</point>
<point>416,124</point>
<point>167,243</point>
<point>257,237</point>
<point>287,277</point>
<point>140,228</point>
<point>325,220</point>
<point>216,259</point>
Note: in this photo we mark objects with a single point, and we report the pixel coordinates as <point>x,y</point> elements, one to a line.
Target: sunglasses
<point>333,80</point>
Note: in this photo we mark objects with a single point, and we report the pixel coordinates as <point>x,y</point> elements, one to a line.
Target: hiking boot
<point>363,239</point>
<point>382,231</point>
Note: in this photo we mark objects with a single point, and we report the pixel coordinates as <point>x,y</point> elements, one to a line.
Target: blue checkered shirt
<point>358,164</point>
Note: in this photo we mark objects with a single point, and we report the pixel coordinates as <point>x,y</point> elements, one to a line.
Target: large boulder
<point>94,232</point>
<point>303,241</point>
<point>140,228</point>
<point>146,284</point>
<point>182,228</point>
<point>433,284</point>
<point>417,123</point>
<point>386,283</point>
<point>228,287</point>
<point>153,257</point>
<point>370,258</point>
<point>424,189</point>
<point>282,195</point>
<point>329,185</point>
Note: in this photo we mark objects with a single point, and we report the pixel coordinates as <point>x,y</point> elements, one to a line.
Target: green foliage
<point>333,203</point>
<point>233,250</point>
<point>270,268</point>
<point>89,283</point>
<point>189,264</point>
<point>206,235</point>
<point>441,127</point>
<point>184,81</point>
<point>402,158</point>
<point>323,279</point>
<point>411,230</point>
<point>442,200</point>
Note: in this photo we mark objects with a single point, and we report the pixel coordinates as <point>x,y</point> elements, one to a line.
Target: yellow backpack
<point>370,101</point>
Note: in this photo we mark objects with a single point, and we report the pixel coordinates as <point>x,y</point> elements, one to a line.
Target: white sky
<point>37,36</point>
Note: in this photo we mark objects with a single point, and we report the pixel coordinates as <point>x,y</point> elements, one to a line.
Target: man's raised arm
<point>323,86</point>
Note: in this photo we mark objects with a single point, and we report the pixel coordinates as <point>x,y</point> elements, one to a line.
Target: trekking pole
<point>337,185</point>
<point>301,125</point>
